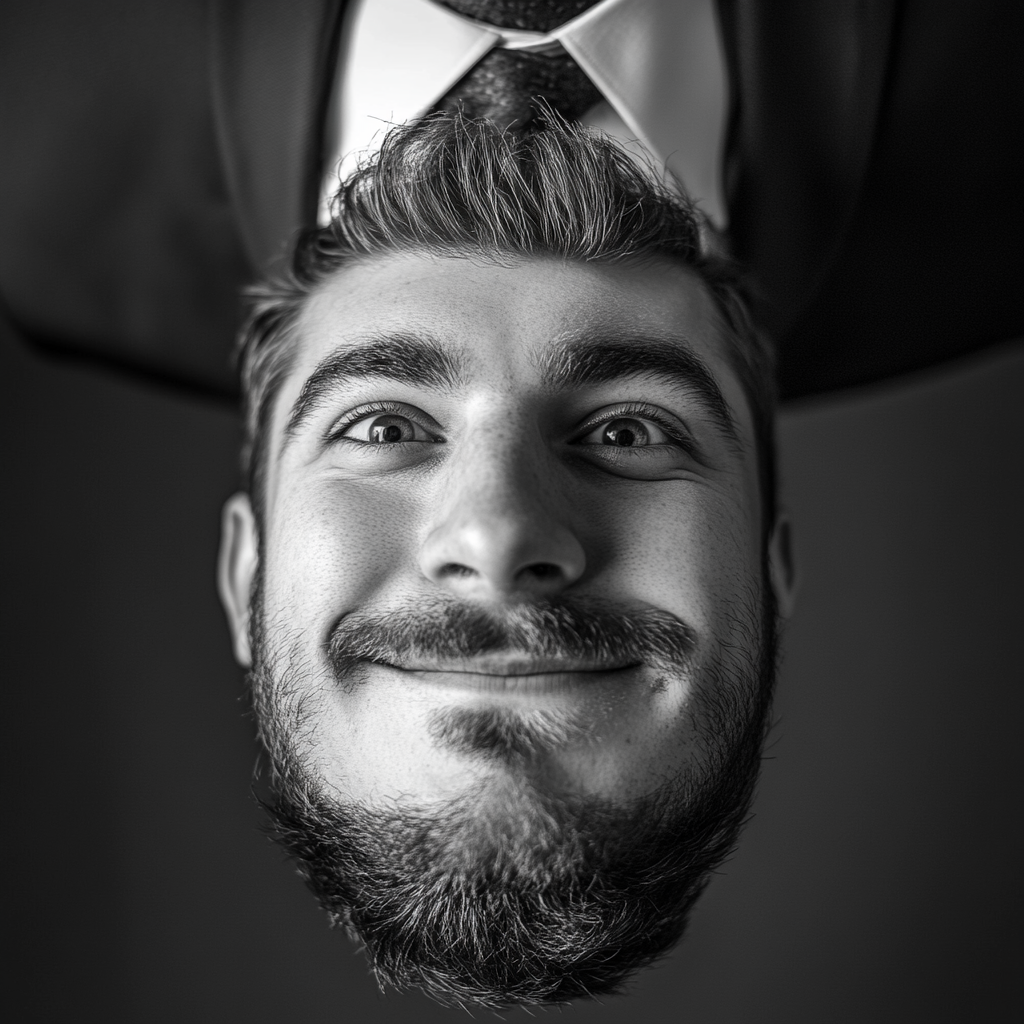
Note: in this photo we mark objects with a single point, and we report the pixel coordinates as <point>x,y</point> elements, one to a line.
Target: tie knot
<point>526,15</point>
<point>507,85</point>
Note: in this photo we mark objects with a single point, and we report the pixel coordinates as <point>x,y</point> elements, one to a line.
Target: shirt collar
<point>658,64</point>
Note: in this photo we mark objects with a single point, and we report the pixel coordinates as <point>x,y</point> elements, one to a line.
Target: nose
<point>499,537</point>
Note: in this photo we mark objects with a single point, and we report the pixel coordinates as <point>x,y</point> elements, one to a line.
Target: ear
<point>782,565</point>
<point>236,567</point>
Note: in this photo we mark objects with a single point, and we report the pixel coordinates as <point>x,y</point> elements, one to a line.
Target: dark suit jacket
<point>156,154</point>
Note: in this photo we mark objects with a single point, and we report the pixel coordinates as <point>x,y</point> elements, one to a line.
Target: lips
<point>512,665</point>
<point>517,674</point>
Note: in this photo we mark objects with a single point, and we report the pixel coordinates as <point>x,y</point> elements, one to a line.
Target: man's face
<point>456,434</point>
<point>511,629</point>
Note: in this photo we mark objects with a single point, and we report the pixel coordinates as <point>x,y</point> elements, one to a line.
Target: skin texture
<point>504,493</point>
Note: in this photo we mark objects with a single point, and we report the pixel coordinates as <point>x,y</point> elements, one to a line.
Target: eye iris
<point>390,429</point>
<point>625,433</point>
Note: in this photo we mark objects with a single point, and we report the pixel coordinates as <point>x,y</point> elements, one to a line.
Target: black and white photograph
<point>512,510</point>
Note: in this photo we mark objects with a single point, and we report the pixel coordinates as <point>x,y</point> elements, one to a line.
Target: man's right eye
<point>383,427</point>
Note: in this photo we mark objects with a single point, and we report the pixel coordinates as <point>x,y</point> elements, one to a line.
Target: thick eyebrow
<point>585,361</point>
<point>415,359</point>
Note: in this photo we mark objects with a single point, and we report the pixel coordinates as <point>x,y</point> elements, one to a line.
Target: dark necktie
<point>505,86</point>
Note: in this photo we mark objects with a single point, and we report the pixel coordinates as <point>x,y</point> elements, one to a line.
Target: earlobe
<point>236,569</point>
<point>782,565</point>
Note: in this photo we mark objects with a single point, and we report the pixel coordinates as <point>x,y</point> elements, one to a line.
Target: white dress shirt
<point>658,64</point>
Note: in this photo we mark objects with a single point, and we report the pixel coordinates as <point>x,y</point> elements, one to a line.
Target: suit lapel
<point>807,83</point>
<point>272,64</point>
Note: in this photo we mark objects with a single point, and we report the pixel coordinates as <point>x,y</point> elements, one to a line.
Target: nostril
<point>542,570</point>
<point>454,569</point>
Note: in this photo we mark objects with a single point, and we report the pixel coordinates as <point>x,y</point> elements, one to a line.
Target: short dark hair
<point>455,186</point>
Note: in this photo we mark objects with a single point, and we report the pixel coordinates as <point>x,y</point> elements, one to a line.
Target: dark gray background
<point>879,879</point>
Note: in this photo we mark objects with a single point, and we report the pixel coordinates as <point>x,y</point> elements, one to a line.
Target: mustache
<point>578,630</point>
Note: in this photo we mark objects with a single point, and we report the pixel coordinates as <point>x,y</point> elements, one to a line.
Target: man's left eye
<point>627,432</point>
<point>385,428</point>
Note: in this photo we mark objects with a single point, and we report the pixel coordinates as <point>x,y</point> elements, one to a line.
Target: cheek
<point>333,546</point>
<point>683,548</point>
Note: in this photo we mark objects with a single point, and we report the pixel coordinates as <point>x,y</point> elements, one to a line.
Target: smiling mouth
<point>517,674</point>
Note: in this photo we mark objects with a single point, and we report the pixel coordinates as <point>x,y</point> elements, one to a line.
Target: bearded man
<point>508,570</point>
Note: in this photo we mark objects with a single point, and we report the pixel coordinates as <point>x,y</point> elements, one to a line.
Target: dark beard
<point>542,899</point>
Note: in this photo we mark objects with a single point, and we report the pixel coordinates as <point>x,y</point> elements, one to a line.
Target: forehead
<point>504,319</point>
